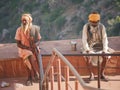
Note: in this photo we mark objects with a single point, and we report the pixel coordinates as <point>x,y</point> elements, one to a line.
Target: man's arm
<point>18,40</point>
<point>84,39</point>
<point>20,45</point>
<point>38,46</point>
<point>37,43</point>
<point>105,40</point>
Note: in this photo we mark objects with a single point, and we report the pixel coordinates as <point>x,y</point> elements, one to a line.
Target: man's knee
<point>87,59</point>
<point>28,64</point>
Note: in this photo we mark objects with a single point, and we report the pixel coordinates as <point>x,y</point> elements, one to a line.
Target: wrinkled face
<point>94,23</point>
<point>25,20</point>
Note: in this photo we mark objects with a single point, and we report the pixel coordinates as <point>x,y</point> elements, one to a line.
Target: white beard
<point>26,27</point>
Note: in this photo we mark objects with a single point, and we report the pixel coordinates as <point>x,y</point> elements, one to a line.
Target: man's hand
<point>87,51</point>
<point>90,51</point>
<point>103,52</point>
<point>29,48</point>
<point>38,49</point>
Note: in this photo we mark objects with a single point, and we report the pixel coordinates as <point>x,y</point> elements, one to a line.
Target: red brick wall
<point>16,68</point>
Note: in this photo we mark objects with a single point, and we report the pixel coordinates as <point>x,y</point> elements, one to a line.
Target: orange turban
<point>27,15</point>
<point>94,17</point>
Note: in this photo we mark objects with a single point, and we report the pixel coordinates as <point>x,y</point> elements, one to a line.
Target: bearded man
<point>26,34</point>
<point>94,39</point>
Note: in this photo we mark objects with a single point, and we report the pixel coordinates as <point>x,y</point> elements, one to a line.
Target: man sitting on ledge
<point>94,39</point>
<point>27,35</point>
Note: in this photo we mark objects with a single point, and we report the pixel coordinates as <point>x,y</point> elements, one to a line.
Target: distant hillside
<point>59,19</point>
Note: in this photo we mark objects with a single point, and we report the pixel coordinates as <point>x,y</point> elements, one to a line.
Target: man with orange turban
<point>26,34</point>
<point>94,39</point>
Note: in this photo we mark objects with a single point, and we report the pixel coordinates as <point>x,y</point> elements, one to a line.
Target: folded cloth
<point>4,84</point>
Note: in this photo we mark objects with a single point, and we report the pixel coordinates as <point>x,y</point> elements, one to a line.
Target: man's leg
<point>33,64</point>
<point>103,65</point>
<point>29,71</point>
<point>90,68</point>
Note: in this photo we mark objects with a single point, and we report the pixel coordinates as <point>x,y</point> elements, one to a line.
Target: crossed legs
<point>30,65</point>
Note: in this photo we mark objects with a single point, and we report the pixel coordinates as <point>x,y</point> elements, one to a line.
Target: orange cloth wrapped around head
<point>95,17</point>
<point>28,16</point>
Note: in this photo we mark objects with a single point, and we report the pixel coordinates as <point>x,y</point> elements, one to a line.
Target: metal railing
<point>117,53</point>
<point>40,70</point>
<point>56,55</point>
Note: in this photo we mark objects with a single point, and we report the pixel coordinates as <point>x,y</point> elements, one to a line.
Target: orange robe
<point>24,38</point>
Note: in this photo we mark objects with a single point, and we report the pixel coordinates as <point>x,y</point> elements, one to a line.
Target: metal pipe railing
<point>73,70</point>
<point>40,64</point>
<point>48,67</point>
<point>70,66</point>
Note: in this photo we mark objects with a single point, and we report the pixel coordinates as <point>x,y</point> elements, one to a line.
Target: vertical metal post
<point>66,77</point>
<point>59,73</point>
<point>76,84</point>
<point>47,83</point>
<point>52,78</point>
<point>41,72</point>
<point>99,74</point>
